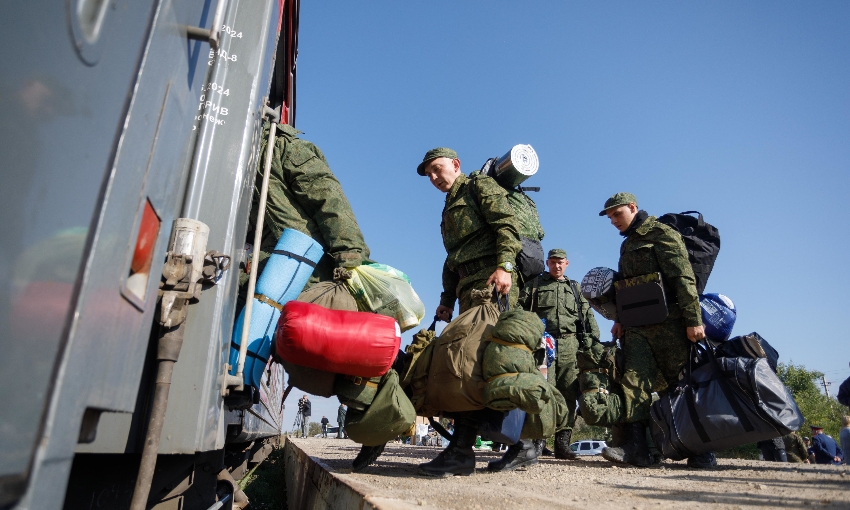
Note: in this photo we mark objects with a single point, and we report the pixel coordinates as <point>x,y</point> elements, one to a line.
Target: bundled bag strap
<point>522,347</point>
<point>499,376</point>
<point>433,326</point>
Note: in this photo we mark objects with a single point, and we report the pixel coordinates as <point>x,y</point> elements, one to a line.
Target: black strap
<point>700,221</point>
<point>692,410</point>
<point>249,353</point>
<point>581,324</point>
<point>535,298</point>
<point>532,188</point>
<point>299,258</point>
<point>439,428</point>
<point>433,326</point>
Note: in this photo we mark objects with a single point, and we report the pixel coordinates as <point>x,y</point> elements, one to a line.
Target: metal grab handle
<point>213,35</point>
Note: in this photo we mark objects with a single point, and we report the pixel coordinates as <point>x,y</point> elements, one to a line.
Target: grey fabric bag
<point>725,403</point>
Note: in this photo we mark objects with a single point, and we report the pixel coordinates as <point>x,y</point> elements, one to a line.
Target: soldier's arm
<point>320,194</point>
<point>676,269</point>
<point>450,281</point>
<point>525,295</point>
<point>499,214</point>
<point>591,318</point>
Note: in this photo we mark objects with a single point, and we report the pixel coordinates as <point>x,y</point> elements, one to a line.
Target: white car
<point>588,447</point>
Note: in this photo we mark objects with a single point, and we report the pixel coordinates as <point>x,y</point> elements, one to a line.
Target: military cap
<point>439,152</point>
<point>557,253</point>
<point>815,427</point>
<point>617,200</point>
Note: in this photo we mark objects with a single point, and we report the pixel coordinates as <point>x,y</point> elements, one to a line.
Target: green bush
<point>817,408</point>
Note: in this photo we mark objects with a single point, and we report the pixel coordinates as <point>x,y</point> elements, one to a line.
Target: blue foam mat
<point>282,280</point>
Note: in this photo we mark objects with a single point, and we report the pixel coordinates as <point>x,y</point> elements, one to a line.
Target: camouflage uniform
<point>478,236</point>
<point>656,353</point>
<point>305,195</point>
<point>555,302</point>
<point>795,448</point>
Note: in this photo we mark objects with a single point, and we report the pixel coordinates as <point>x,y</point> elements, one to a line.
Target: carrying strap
<point>360,381</point>
<point>267,300</point>
<point>700,221</point>
<point>595,390</point>
<point>299,258</point>
<point>499,376</point>
<point>596,371</point>
<point>581,326</point>
<point>433,326</point>
<point>440,429</point>
<point>522,347</point>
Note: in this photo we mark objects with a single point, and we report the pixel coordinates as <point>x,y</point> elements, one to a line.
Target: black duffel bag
<point>724,403</point>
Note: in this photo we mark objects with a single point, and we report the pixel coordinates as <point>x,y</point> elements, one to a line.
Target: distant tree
<point>313,428</point>
<point>817,408</point>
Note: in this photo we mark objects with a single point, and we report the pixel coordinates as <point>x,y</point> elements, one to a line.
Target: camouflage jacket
<point>474,229</point>
<point>556,303</point>
<point>305,195</point>
<point>656,248</point>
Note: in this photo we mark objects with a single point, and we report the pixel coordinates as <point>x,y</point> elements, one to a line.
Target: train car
<point>131,130</point>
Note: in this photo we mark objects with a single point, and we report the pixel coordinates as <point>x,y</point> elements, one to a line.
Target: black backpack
<point>702,241</point>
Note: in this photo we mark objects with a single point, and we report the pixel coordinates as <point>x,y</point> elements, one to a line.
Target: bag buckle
<point>357,380</point>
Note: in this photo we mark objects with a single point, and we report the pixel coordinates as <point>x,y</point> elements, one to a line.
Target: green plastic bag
<point>385,290</point>
<point>390,415</point>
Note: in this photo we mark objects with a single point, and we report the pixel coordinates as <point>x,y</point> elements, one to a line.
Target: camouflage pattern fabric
<point>305,195</point>
<point>356,396</point>
<point>654,357</point>
<point>550,420</point>
<point>474,231</point>
<point>601,398</point>
<point>655,354</point>
<point>478,282</point>
<point>656,248</point>
<point>519,327</point>
<point>527,391</point>
<point>795,448</point>
<point>555,301</point>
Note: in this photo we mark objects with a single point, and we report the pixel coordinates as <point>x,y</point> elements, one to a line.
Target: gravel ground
<point>591,482</point>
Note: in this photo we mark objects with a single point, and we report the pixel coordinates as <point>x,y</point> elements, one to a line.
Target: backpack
<point>702,241</point>
<point>529,261</point>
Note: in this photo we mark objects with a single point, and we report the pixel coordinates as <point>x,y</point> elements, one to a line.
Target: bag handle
<point>433,326</point>
<point>501,301</point>
<point>439,428</point>
<point>700,221</point>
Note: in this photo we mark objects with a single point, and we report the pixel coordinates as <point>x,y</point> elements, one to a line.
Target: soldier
<point>482,241</point>
<point>658,351</point>
<point>795,448</point>
<point>570,320</point>
<point>306,196</point>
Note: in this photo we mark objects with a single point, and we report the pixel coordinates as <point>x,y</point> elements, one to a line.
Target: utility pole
<point>825,385</point>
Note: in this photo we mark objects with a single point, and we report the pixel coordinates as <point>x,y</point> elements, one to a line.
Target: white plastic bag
<point>385,290</point>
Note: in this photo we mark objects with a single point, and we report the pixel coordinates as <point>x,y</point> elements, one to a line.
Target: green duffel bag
<point>390,415</point>
<point>602,407</point>
<point>553,417</point>
<point>356,392</point>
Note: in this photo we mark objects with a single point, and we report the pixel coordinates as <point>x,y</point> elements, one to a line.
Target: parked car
<point>588,447</point>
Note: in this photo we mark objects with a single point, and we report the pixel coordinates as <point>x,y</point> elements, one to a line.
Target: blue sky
<point>740,110</point>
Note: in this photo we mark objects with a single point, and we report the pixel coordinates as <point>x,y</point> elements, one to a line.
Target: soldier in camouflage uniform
<point>306,196</point>
<point>552,296</point>
<point>482,241</point>
<point>654,354</point>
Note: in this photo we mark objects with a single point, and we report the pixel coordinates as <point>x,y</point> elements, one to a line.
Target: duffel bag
<point>390,415</point>
<point>724,403</point>
<point>351,343</point>
<point>749,346</point>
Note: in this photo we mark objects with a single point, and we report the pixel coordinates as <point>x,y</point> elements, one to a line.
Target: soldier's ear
<point>456,163</point>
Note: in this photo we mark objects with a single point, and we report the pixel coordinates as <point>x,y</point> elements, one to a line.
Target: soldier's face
<point>442,172</point>
<point>621,217</point>
<point>557,267</point>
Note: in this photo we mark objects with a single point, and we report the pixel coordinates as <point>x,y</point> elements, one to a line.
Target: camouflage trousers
<point>478,280</point>
<point>563,374</point>
<point>654,356</point>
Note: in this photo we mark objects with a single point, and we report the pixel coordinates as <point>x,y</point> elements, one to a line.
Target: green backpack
<point>390,415</point>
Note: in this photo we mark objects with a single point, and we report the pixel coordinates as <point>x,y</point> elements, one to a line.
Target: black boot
<point>497,447</point>
<point>539,444</point>
<point>562,445</point>
<point>523,453</point>
<point>619,435</point>
<point>635,451</point>
<point>367,455</point>
<point>704,461</point>
<point>458,458</point>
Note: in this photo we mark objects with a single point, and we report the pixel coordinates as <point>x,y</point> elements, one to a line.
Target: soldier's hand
<point>617,331</point>
<point>444,313</point>
<point>503,281</point>
<point>696,333</point>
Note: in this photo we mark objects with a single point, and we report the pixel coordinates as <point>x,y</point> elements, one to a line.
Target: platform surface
<point>592,482</point>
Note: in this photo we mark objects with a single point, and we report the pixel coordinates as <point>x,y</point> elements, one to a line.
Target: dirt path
<point>588,483</point>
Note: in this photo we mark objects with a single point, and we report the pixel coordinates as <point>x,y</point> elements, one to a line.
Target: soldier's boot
<point>458,458</point>
<point>523,453</point>
<point>635,451</point>
<point>497,447</point>
<point>562,445</point>
<point>619,435</point>
<point>366,456</point>
<point>704,461</point>
<point>539,444</point>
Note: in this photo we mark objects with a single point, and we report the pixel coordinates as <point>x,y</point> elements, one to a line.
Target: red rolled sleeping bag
<point>352,343</point>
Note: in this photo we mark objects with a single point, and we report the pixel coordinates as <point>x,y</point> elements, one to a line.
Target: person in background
<point>324,423</point>
<point>340,420</point>
<point>773,450</point>
<point>844,435</point>
<point>305,408</point>
<point>825,448</point>
<point>795,448</point>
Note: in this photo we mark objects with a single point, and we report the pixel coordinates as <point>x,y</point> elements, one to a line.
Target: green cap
<point>439,152</point>
<point>617,200</point>
<point>557,253</point>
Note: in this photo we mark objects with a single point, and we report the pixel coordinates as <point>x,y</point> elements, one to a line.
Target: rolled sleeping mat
<point>718,316</point>
<point>286,272</point>
<point>597,287</point>
<point>516,166</point>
